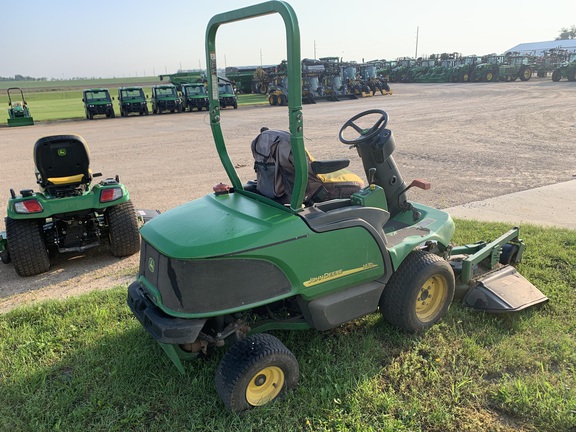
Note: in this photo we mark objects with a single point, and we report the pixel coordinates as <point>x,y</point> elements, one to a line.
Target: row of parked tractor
<point>164,98</point>
<point>489,68</point>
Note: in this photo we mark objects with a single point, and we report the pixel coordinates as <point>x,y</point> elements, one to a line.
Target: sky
<point>64,39</point>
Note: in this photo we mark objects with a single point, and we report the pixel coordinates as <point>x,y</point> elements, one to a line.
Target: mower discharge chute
<point>18,112</point>
<point>228,267</point>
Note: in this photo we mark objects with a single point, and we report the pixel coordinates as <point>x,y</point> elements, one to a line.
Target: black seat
<point>62,162</point>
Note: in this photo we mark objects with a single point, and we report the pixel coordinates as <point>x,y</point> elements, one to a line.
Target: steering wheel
<point>365,134</point>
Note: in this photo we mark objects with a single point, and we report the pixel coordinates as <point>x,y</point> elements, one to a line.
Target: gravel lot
<point>471,141</point>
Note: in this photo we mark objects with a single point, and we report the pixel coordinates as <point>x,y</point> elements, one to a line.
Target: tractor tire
<point>146,112</point>
<point>235,105</point>
<point>571,75</point>
<point>27,247</point>
<point>255,371</point>
<point>419,293</point>
<point>525,73</point>
<point>123,229</point>
<point>556,75</point>
<point>465,77</point>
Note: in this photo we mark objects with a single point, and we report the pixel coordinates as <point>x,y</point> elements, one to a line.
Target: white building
<point>538,48</point>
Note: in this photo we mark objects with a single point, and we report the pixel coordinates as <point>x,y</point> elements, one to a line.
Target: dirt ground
<point>471,141</point>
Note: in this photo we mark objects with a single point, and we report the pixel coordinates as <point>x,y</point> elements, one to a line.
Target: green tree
<point>567,33</point>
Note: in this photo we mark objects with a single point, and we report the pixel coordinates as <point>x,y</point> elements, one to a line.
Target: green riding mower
<point>68,214</point>
<point>285,255</point>
<point>18,112</point>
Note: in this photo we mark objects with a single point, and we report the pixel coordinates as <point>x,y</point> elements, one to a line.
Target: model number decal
<point>336,274</point>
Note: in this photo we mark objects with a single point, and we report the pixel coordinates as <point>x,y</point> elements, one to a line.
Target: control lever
<point>421,184</point>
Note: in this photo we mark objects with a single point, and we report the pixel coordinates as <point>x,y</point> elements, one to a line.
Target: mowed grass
<point>87,364</point>
<point>62,100</point>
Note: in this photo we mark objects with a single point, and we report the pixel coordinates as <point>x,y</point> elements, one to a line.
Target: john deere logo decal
<point>151,264</point>
<point>61,152</point>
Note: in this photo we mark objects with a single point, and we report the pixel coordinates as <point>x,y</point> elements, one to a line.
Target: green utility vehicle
<point>68,213</point>
<point>194,96</point>
<point>227,95</point>
<point>165,98</point>
<point>132,100</point>
<point>282,253</point>
<point>98,102</point>
<point>18,112</point>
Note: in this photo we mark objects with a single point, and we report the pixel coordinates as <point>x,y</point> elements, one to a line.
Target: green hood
<point>220,225</point>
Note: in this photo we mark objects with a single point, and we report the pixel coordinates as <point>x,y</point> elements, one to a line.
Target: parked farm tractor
<point>280,253</point>
<point>566,70</point>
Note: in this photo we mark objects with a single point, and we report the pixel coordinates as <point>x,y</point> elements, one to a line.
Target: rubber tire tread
<point>398,301</point>
<point>244,359</point>
<point>27,247</point>
<point>123,229</point>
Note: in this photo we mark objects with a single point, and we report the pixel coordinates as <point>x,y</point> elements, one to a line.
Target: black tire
<point>90,116</point>
<point>525,73</point>
<point>112,114</point>
<point>255,371</point>
<point>27,247</point>
<point>571,75</point>
<point>123,229</point>
<point>556,75</point>
<point>420,292</point>
<point>235,105</point>
<point>146,112</point>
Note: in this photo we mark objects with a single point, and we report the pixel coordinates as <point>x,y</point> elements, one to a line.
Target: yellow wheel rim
<point>431,298</point>
<point>489,76</point>
<point>265,386</point>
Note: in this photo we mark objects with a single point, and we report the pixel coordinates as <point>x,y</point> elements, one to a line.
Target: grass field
<point>87,364</point>
<point>62,100</point>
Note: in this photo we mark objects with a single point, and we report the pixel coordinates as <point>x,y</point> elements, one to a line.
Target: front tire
<point>123,229</point>
<point>27,247</point>
<point>255,371</point>
<point>420,292</point>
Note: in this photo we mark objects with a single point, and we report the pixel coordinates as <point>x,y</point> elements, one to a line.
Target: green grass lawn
<point>62,100</point>
<point>86,364</point>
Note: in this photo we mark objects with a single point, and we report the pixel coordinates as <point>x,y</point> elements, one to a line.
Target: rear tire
<point>420,292</point>
<point>123,229</point>
<point>556,75</point>
<point>255,371</point>
<point>27,247</point>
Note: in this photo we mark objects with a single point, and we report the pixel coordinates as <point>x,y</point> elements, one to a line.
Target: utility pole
<point>417,31</point>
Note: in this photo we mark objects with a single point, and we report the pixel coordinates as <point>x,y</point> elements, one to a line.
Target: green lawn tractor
<point>132,100</point>
<point>18,112</point>
<point>68,214</point>
<point>165,98</point>
<point>194,96</point>
<point>98,102</point>
<point>286,255</point>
